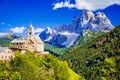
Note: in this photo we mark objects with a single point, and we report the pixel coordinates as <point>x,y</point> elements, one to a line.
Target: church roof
<point>18,41</point>
<point>37,39</point>
<point>34,38</point>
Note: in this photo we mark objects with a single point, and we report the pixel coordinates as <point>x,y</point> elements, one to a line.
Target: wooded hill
<point>28,66</point>
<point>98,59</point>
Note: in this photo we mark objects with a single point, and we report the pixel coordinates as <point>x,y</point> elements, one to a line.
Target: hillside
<point>55,50</point>
<point>5,41</point>
<point>98,59</point>
<point>87,36</point>
<point>30,67</point>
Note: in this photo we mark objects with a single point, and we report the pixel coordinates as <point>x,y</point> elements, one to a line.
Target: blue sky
<point>18,14</point>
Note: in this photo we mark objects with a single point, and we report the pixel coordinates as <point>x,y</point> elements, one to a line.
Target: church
<point>32,42</point>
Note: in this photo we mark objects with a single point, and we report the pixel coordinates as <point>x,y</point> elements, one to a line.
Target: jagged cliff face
<point>65,35</point>
<point>90,21</point>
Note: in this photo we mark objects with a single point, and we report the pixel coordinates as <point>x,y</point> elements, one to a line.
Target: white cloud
<point>86,4</point>
<point>2,33</point>
<point>63,4</point>
<point>39,30</point>
<point>18,29</point>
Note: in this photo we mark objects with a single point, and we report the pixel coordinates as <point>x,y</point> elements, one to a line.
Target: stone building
<point>6,54</point>
<point>32,42</point>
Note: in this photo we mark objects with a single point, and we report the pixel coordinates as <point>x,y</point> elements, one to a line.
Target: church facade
<point>32,42</point>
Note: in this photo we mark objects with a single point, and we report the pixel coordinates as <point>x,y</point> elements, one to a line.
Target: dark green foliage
<point>97,63</point>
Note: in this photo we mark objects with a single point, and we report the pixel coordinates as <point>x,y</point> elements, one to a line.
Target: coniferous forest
<point>98,59</point>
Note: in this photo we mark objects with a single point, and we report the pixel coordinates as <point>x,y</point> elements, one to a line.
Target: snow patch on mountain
<point>71,38</point>
<point>48,39</point>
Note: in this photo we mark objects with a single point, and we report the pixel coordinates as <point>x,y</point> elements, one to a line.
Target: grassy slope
<point>54,50</point>
<point>74,76</point>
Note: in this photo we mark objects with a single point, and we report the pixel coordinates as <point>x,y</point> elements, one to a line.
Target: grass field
<point>74,76</point>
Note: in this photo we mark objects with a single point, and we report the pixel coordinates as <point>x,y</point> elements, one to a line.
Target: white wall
<point>40,47</point>
<point>6,54</point>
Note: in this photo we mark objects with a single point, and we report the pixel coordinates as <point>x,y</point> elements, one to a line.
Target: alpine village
<point>49,47</point>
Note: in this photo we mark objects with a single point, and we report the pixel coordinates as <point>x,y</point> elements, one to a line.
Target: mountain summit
<point>65,35</point>
<point>90,21</point>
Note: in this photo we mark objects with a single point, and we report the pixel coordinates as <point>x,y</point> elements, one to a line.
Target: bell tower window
<point>29,33</point>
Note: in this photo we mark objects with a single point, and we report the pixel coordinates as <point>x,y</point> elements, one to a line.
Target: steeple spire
<point>30,30</point>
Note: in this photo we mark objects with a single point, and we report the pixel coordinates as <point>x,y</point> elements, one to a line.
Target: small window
<point>5,56</point>
<point>30,33</point>
<point>1,56</point>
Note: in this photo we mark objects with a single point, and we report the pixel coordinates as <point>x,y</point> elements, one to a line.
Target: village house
<point>6,54</point>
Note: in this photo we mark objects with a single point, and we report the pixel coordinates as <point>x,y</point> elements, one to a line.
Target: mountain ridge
<point>95,22</point>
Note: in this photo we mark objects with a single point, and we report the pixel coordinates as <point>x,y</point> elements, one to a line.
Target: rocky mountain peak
<point>48,30</point>
<point>61,28</point>
<point>86,14</point>
<point>65,35</point>
<point>100,14</point>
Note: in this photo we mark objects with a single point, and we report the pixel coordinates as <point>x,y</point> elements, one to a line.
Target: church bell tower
<point>30,30</point>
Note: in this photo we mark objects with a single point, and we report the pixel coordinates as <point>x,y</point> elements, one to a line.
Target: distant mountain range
<point>66,35</point>
<point>87,23</point>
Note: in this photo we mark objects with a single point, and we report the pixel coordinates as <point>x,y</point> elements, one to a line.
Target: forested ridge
<point>98,59</point>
